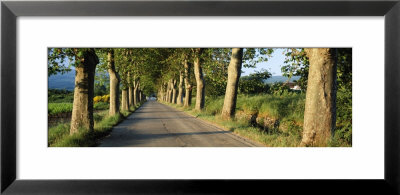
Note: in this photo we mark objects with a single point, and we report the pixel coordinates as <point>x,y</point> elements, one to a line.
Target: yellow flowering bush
<point>97,99</point>
<point>105,98</point>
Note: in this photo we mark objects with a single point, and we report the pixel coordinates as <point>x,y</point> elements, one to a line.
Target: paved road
<point>155,124</point>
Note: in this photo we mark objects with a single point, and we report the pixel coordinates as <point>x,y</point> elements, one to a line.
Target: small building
<point>296,87</point>
<point>292,86</point>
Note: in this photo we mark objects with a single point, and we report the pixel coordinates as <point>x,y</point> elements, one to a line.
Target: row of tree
<point>317,66</point>
<point>172,74</point>
<point>125,85</point>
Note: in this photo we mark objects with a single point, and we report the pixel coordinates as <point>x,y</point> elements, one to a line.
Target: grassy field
<point>61,101</point>
<point>58,136</point>
<point>55,108</point>
<point>273,120</point>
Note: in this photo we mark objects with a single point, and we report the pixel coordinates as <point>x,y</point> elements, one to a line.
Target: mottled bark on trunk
<point>125,99</point>
<point>140,96</point>
<point>234,71</point>
<point>320,107</point>
<point>200,83</point>
<point>170,86</point>
<point>160,95</point>
<point>139,93</point>
<point>136,93</point>
<point>165,87</point>
<point>130,96</point>
<point>188,86</point>
<point>174,92</point>
<point>114,85</point>
<point>82,111</point>
<point>167,92</point>
<point>179,99</point>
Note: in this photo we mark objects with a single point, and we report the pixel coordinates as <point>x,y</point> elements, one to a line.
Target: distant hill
<point>281,79</point>
<point>62,81</point>
<point>67,80</point>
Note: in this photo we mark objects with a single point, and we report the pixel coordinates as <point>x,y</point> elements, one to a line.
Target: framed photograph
<point>172,96</point>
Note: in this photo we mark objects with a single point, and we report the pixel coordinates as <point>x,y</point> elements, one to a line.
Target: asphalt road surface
<point>158,125</point>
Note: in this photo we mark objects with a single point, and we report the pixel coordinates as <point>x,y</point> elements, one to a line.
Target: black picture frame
<point>10,10</point>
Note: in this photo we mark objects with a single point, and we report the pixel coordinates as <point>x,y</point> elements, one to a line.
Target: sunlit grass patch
<point>103,124</point>
<point>101,106</point>
<point>55,108</point>
<point>57,133</point>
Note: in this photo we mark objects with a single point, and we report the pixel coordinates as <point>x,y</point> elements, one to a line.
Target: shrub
<point>105,98</point>
<point>97,99</point>
<point>343,131</point>
<point>60,96</point>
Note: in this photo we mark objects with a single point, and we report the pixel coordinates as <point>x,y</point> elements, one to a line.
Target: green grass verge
<point>58,136</point>
<point>56,108</point>
<point>101,106</point>
<point>288,109</point>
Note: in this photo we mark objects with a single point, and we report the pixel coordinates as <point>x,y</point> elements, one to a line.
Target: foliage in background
<point>60,60</point>
<point>60,96</point>
<point>296,64</point>
<point>254,83</point>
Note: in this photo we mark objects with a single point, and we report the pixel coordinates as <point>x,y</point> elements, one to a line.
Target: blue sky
<point>273,65</point>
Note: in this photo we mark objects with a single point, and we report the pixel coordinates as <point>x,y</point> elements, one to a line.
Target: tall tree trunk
<point>130,96</point>
<point>200,83</point>
<point>125,99</point>
<point>234,71</point>
<point>163,92</point>
<point>174,92</point>
<point>140,95</point>
<point>114,84</point>
<point>130,90</point>
<point>167,93</point>
<point>165,87</point>
<point>82,111</point>
<point>170,86</point>
<point>180,89</point>
<point>188,86</point>
<point>320,108</point>
<point>136,93</point>
<point>160,95</point>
